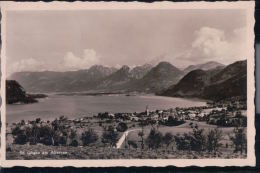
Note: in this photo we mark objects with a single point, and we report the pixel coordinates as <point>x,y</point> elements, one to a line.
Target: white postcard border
<point>248,6</point>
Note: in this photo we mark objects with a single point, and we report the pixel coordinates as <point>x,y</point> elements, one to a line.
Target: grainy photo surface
<point>131,83</point>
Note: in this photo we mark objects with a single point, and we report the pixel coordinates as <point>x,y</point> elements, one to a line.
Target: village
<point>225,114</point>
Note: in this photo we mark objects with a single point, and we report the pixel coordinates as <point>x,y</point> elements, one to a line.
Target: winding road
<point>123,137</point>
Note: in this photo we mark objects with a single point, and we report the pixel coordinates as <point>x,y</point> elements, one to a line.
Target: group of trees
<point>155,139</point>
<point>121,127</point>
<point>173,121</point>
<point>239,139</point>
<point>197,140</point>
<point>110,136</point>
<point>56,133</point>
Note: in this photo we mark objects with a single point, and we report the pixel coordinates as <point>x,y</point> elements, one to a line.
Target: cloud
<point>29,64</point>
<point>210,41</point>
<point>72,62</point>
<point>67,63</point>
<point>214,44</point>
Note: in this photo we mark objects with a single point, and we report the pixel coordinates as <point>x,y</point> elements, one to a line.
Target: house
<point>110,115</point>
<point>134,118</point>
<point>192,116</point>
<point>155,117</point>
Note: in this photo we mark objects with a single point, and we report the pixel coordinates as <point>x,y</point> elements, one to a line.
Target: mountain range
<point>213,84</point>
<point>202,80</point>
<point>99,78</point>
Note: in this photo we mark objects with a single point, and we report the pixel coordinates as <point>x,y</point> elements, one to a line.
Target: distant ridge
<point>138,72</point>
<point>160,77</point>
<point>145,78</point>
<point>205,66</point>
<point>216,85</point>
<point>50,81</point>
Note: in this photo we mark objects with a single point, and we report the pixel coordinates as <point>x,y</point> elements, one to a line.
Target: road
<point>123,137</point>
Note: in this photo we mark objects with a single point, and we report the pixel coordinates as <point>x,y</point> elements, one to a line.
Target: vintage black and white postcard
<point>128,84</point>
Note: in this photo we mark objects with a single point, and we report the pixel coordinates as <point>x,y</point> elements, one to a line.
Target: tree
<point>141,135</point>
<point>183,141</point>
<point>154,139</point>
<point>132,143</point>
<point>63,118</point>
<point>72,134</point>
<point>73,138</point>
<point>22,122</point>
<point>47,135</point>
<point>88,137</point>
<point>197,139</point>
<point>16,130</point>
<point>74,143</point>
<point>167,139</point>
<point>213,140</point>
<point>239,139</point>
<point>238,114</point>
<point>20,136</point>
<point>110,136</point>
<point>121,127</point>
<point>60,138</point>
<point>33,134</point>
<point>38,120</point>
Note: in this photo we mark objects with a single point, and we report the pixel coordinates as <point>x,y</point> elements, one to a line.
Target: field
<point>181,129</point>
<point>98,150</point>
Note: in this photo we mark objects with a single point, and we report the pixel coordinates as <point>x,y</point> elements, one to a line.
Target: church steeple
<point>147,110</point>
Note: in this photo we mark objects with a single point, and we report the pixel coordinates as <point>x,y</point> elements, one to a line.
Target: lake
<point>78,106</point>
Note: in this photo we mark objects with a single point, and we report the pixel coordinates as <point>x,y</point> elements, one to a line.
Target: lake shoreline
<point>75,106</point>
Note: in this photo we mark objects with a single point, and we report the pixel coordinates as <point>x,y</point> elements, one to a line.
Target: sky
<point>73,40</point>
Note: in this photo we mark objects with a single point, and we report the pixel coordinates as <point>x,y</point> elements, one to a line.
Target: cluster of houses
<point>234,103</point>
<point>222,115</point>
<point>136,117</point>
<point>227,118</point>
